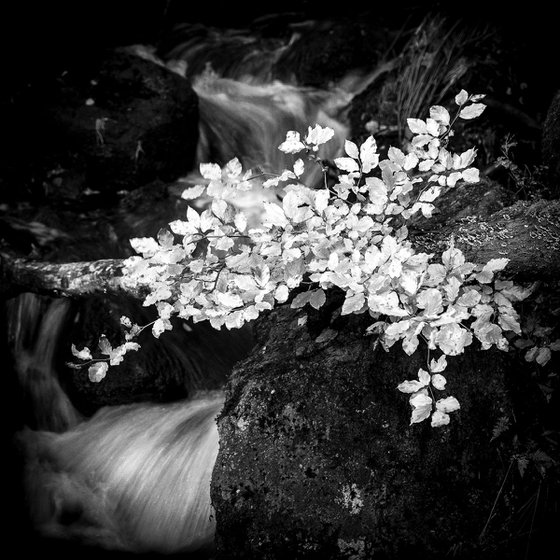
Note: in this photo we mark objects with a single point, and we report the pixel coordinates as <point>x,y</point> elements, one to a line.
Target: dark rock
<point>551,140</point>
<point>112,121</point>
<point>326,52</point>
<point>317,458</point>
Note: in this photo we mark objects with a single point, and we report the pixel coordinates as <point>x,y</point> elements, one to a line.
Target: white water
<point>133,477</point>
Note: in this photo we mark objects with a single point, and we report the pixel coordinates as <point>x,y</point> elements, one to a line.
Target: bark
<point>74,279</point>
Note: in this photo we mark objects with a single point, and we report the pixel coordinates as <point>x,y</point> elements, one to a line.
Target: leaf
<point>317,298</point>
<point>440,114</point>
<point>351,149</point>
<point>353,303</point>
<point>368,154</point>
<point>430,195</point>
<point>292,144</point>
<point>97,371</point>
<point>431,301</point>
<point>439,419</point>
<point>501,426</point>
<point>422,407</point>
<point>449,404</point>
<point>318,135</point>
<point>211,171</point>
<point>487,273</point>
<point>240,221</point>
<point>84,354</point>
<point>471,175</point>
<point>147,246</point>
<point>281,293</point>
<point>438,365</point>
<point>417,126</point>
<point>105,345</point>
<point>472,111</point>
<point>410,386</point>
<point>346,164</point>
<point>192,192</point>
<point>452,339</point>
<point>543,356</point>
<point>461,97</point>
<point>423,377</point>
<point>274,214</point>
<point>439,382</point>
<point>299,167</point>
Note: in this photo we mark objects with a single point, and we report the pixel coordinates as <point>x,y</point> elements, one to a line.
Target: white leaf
<point>438,381</point>
<point>439,419</point>
<point>461,97</point>
<point>471,175</point>
<point>147,246</point>
<point>472,111</point>
<point>417,126</point>
<point>410,161</point>
<point>438,365</point>
<point>274,214</point>
<point>292,144</point>
<point>318,135</point>
<point>431,194</point>
<point>422,407</point>
<point>440,114</point>
<point>449,404</point>
<point>240,221</point>
<point>211,171</point>
<point>192,192</point>
<point>353,303</point>
<point>299,167</point>
<point>84,354</point>
<point>346,164</point>
<point>423,377</point>
<point>321,200</point>
<point>281,293</point>
<point>97,371</point>
<point>426,165</point>
<point>410,386</point>
<point>351,149</point>
<point>368,154</point>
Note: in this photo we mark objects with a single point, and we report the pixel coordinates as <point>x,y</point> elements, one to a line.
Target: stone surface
<point>318,460</point>
<point>110,122</point>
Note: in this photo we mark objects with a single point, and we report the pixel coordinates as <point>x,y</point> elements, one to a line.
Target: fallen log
<point>527,234</point>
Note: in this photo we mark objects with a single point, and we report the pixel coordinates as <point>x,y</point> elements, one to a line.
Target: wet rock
<point>318,459</point>
<point>109,122</point>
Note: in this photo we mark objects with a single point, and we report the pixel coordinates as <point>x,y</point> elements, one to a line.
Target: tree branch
<point>527,234</point>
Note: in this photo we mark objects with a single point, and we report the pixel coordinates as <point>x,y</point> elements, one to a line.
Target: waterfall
<point>132,477</point>
<point>136,477</point>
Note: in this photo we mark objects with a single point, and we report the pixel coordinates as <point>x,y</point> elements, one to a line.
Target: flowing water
<point>136,477</point>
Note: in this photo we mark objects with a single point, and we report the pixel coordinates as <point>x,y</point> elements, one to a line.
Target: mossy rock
<point>318,458</point>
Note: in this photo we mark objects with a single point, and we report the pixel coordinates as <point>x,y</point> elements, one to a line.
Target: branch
<point>74,279</point>
<point>527,234</point>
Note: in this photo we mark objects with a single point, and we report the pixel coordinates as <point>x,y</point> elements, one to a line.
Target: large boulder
<point>318,459</point>
<point>109,122</point>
